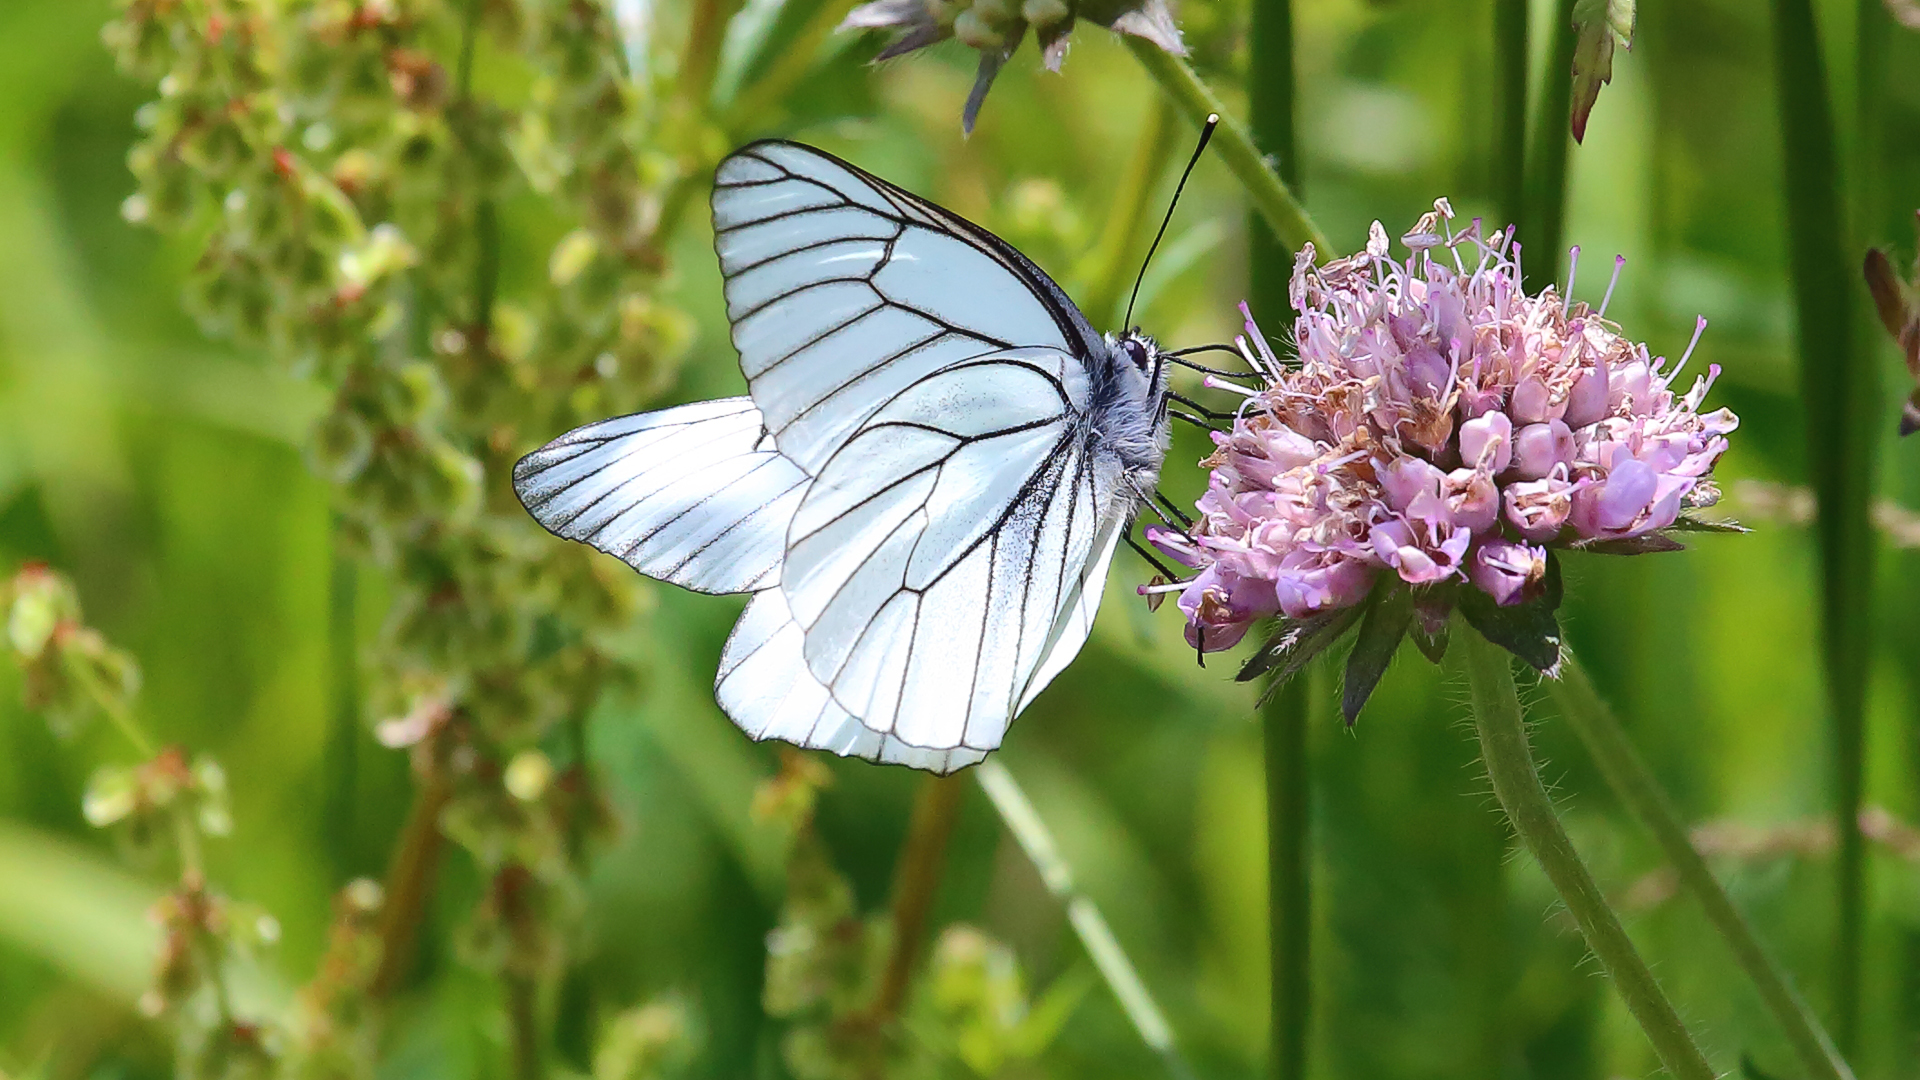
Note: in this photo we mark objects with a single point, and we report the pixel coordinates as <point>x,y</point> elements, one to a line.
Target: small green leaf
<point>1599,25</point>
<point>1294,644</point>
<point>1529,631</point>
<point>1386,623</point>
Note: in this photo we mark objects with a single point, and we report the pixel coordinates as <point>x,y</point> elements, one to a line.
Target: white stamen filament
<point>1619,264</point>
<point>1699,327</point>
<point>1171,586</point>
<point>1573,268</point>
<point>1214,383</point>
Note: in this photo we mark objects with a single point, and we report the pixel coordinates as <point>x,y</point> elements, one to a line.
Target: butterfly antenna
<point>1206,133</point>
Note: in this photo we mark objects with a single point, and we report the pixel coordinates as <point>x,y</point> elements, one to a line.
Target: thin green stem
<point>1627,773</point>
<point>1018,815</point>
<point>923,860</point>
<point>1270,195</point>
<point>410,880</point>
<point>1837,385</point>
<point>117,713</point>
<point>1271,100</point>
<point>1289,884</point>
<point>523,1026</point>
<point>1543,213</point>
<point>1516,784</point>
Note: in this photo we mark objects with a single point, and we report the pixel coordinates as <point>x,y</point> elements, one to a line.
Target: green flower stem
<point>1269,193</point>
<point>1837,384</point>
<point>1116,969</point>
<point>1627,773</point>
<point>1516,783</point>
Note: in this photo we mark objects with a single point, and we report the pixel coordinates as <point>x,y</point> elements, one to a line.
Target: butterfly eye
<point>1136,352</point>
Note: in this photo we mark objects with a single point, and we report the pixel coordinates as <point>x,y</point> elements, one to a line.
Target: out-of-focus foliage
<point>360,282</point>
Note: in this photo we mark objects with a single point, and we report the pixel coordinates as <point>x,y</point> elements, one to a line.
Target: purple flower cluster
<point>1442,425</point>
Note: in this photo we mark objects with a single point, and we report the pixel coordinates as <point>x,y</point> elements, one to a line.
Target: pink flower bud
<point>1488,432</point>
<point>1537,448</point>
<point>1587,404</point>
<point>1506,571</point>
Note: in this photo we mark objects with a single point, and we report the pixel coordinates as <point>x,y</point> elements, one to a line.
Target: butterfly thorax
<point>1128,416</point>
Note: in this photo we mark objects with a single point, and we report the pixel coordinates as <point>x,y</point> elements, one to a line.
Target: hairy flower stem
<point>916,884</point>
<point>1269,193</point>
<point>410,879</point>
<point>1627,773</point>
<point>1837,384</point>
<point>1516,784</point>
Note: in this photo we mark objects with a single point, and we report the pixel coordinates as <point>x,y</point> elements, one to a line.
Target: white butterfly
<point>922,489</point>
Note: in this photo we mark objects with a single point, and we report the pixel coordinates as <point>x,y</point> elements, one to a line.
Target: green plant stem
<point>1271,101</point>
<point>923,859</point>
<point>1270,195</point>
<point>1116,969</point>
<point>1509,107</point>
<point>410,879</point>
<point>523,1026</point>
<point>120,716</point>
<point>1837,385</point>
<point>1627,773</point>
<point>1542,219</point>
<point>1516,784</point>
<point>1289,884</point>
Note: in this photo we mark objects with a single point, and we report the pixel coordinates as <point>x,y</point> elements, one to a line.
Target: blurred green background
<point>165,473</point>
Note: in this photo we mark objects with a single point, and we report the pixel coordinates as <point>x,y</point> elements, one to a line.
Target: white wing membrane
<point>690,495</point>
<point>764,685</point>
<point>913,492</point>
<point>834,276</point>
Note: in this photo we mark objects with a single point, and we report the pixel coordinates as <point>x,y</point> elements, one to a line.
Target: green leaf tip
<point>1599,26</point>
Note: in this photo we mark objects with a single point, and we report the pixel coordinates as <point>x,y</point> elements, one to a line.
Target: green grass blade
<point>1836,387</point>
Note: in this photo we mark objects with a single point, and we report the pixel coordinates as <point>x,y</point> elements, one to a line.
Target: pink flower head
<point>1441,426</point>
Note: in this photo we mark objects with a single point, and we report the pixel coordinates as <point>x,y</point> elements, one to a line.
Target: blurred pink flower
<point>1439,425</point>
